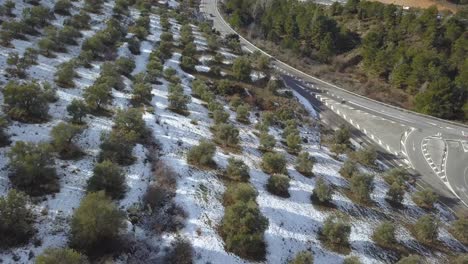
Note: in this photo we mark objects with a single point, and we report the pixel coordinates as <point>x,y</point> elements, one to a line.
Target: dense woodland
<point>421,52</point>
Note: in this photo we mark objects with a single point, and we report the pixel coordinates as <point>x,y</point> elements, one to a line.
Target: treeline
<point>417,51</point>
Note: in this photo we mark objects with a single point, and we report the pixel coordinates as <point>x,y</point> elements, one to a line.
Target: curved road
<point>399,131</point>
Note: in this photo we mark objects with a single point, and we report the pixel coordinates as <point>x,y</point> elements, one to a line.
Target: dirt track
<point>441,5</point>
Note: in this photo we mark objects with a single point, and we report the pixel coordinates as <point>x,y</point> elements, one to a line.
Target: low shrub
<point>108,177</point>
<point>362,185</point>
<point>237,170</point>
<point>239,191</point>
<point>302,257</point>
<point>61,255</point>
<point>242,229</point>
<point>352,260</point>
<point>202,155</point>
<point>426,229</point>
<point>305,164</point>
<point>348,169</point>
<point>335,233</point>
<point>398,175</point>
<point>63,135</point>
<point>322,192</point>
<point>460,230</point>
<point>242,114</point>
<point>273,163</point>
<point>226,135</point>
<point>26,102</point>
<point>384,235</point>
<point>96,224</point>
<point>181,252</point>
<point>16,218</point>
<point>32,170</point>
<point>366,156</point>
<point>395,193</point>
<point>425,198</point>
<point>267,142</point>
<point>77,109</point>
<point>278,185</point>
<point>220,116</point>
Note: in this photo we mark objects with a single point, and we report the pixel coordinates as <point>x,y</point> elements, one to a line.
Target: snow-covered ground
<point>294,222</point>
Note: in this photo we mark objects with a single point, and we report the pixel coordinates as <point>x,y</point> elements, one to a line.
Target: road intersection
<point>437,149</point>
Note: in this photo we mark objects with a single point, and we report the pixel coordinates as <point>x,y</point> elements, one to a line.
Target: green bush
<point>68,35</point>
<point>63,135</point>
<point>242,114</point>
<point>278,185</point>
<point>178,100</point>
<point>460,229</point>
<point>366,156</point>
<point>62,7</point>
<point>426,229</point>
<point>349,169</point>
<point>198,88</point>
<point>134,45</point>
<point>411,259</point>
<point>302,257</point>
<point>61,255</point>
<point>17,66</point>
<point>322,192</point>
<point>460,259</point>
<point>241,68</point>
<point>425,198</point>
<point>223,87</point>
<point>239,191</point>
<point>237,170</point>
<point>25,102</point>
<point>202,155</point>
<point>273,163</point>
<point>32,168</point>
<point>77,109</point>
<point>93,6</point>
<point>335,232</point>
<point>227,135</point>
<point>141,93</point>
<point>4,137</point>
<point>267,142</point>
<point>117,146</point>
<point>398,175</point>
<point>338,149</point>
<point>384,235</point>
<point>305,164</point>
<point>342,136</point>
<point>95,225</point>
<point>97,96</point>
<point>396,193</point>
<point>65,74</point>
<point>293,141</point>
<point>220,116</point>
<point>108,177</point>
<point>125,65</point>
<point>362,185</point>
<point>78,21</point>
<point>16,218</point>
<point>352,260</point>
<point>130,120</point>
<point>242,229</point>
<point>181,252</point>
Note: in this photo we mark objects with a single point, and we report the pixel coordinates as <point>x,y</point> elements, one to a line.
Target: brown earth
<point>441,5</point>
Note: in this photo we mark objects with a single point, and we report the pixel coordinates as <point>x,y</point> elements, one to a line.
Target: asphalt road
<point>453,182</point>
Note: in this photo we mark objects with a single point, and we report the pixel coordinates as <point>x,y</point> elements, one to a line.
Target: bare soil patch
<point>441,5</point>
